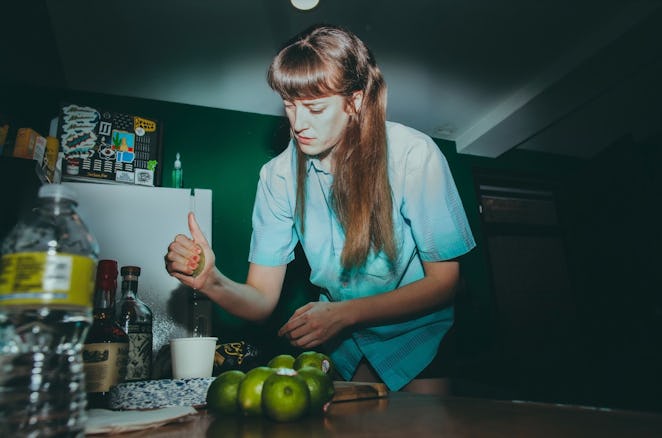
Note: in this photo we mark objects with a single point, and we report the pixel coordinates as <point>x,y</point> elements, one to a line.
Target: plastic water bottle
<point>47,274</point>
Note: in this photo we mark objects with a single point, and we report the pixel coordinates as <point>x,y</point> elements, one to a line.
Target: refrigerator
<point>134,225</point>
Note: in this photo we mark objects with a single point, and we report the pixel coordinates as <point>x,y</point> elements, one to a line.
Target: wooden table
<point>418,416</point>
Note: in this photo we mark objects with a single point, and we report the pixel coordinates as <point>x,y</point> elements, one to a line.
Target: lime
<point>249,395</point>
<point>285,396</point>
<point>320,387</point>
<point>223,391</point>
<point>282,361</point>
<point>314,359</point>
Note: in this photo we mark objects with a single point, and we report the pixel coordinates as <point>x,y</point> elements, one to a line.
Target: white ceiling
<point>567,77</point>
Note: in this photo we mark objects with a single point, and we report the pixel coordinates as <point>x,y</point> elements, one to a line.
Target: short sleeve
<point>432,205</point>
<point>274,237</point>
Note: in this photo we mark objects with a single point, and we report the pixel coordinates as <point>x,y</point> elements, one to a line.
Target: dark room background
<point>590,337</point>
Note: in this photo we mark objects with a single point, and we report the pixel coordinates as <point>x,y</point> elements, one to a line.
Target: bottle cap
<point>130,270</point>
<point>107,267</point>
<point>57,191</point>
<point>107,274</point>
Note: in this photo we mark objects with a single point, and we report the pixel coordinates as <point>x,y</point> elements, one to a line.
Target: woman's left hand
<point>314,324</point>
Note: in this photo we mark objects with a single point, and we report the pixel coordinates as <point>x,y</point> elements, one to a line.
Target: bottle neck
<point>130,287</point>
<point>56,206</point>
<point>106,286</point>
<point>104,299</point>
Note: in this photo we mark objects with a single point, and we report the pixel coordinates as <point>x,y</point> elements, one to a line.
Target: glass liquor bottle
<point>106,348</point>
<point>135,317</point>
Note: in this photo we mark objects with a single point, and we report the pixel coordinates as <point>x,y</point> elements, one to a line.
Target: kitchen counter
<point>415,415</point>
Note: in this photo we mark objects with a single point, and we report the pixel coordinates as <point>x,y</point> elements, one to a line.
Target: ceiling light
<point>304,5</point>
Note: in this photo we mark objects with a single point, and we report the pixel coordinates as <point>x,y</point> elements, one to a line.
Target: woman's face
<point>318,124</point>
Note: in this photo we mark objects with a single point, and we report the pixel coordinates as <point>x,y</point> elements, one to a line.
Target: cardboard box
<point>4,130</point>
<point>29,144</point>
<point>106,146</point>
<point>51,159</point>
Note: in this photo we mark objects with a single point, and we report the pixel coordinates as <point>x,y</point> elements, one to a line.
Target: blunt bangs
<point>299,72</point>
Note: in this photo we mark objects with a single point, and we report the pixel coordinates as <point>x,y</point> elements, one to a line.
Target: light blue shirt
<point>430,225</point>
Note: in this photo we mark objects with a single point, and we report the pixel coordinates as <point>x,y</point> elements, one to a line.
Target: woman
<point>374,207</point>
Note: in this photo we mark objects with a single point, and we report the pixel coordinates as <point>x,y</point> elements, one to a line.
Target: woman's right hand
<point>190,260</point>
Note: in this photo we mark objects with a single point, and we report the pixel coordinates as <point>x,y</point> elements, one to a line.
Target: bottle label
<point>104,364</point>
<point>140,356</point>
<point>41,278</point>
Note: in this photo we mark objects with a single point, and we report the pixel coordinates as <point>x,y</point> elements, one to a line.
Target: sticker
<point>78,137</point>
<point>144,177</point>
<point>144,125</point>
<point>41,278</point>
<point>124,145</point>
<point>125,177</point>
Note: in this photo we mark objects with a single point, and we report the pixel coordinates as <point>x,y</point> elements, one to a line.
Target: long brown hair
<point>329,60</point>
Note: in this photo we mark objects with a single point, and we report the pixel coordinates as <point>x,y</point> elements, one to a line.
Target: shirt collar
<point>314,163</point>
